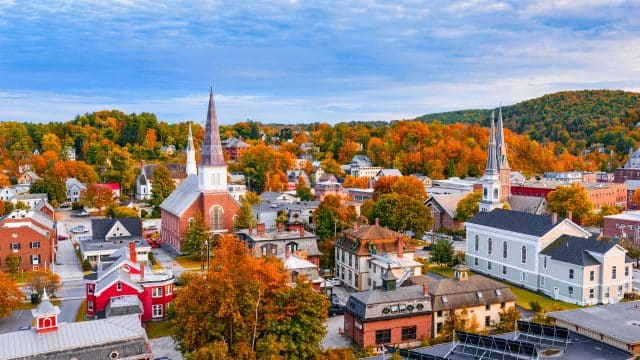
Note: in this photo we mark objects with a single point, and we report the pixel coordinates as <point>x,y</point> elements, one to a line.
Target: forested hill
<point>575,119</point>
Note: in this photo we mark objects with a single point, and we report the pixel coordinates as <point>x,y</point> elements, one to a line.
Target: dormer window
<point>119,286</point>
<point>445,300</point>
<point>479,293</point>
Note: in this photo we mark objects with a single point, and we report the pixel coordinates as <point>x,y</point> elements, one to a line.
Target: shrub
<point>76,206</point>
<point>535,306</point>
<point>86,265</point>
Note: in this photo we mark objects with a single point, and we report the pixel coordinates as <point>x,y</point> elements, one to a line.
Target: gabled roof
<point>388,172</point>
<point>183,196</point>
<point>177,171</point>
<point>528,204</point>
<point>575,250</point>
<point>371,304</point>
<point>516,221</point>
<point>447,202</point>
<point>465,293</point>
<point>372,232</point>
<point>73,182</point>
<point>100,227</point>
<point>111,278</point>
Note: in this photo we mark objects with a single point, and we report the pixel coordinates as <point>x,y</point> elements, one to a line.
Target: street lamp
<point>206,243</point>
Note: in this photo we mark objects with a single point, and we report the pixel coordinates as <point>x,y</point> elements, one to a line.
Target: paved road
<point>636,280</point>
<point>165,346</point>
<point>166,259</point>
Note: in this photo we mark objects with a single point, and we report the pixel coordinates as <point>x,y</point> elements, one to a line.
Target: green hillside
<point>575,119</point>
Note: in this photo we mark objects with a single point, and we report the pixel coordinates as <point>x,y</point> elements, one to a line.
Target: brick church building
<point>204,191</point>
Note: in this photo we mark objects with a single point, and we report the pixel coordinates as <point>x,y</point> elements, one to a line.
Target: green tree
<point>332,216</point>
<point>402,213</point>
<point>13,262</point>
<point>196,235</point>
<point>442,252</point>
<point>54,187</point>
<point>572,198</point>
<point>632,250</point>
<point>508,318</point>
<point>303,191</point>
<point>251,197</point>
<point>162,185</point>
<point>458,320</point>
<point>468,207</point>
<point>245,217</point>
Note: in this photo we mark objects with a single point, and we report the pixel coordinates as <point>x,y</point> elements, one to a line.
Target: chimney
<point>141,271</point>
<point>377,222</point>
<point>400,247</point>
<point>554,218</point>
<point>570,215</point>
<point>287,252</point>
<point>132,252</point>
<point>280,225</point>
<point>425,289</point>
<point>301,231</point>
<point>261,229</point>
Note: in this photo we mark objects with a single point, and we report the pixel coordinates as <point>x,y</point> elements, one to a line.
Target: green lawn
<point>187,263</point>
<point>82,311</point>
<point>524,296</point>
<point>156,329</point>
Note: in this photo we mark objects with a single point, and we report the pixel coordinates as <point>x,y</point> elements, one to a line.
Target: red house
<point>124,285</point>
<point>114,187</point>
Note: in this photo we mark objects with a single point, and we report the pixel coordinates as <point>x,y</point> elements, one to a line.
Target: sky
<point>302,61</point>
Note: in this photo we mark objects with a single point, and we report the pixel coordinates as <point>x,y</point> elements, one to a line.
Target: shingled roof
<point>100,227</point>
<point>370,239</point>
<point>516,221</point>
<point>459,294</point>
<point>575,250</point>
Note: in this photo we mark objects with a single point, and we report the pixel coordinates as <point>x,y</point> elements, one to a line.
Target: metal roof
<point>516,221</point>
<point>183,196</point>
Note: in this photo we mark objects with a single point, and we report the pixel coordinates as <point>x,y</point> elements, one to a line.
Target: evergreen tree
<point>303,191</point>
<point>244,217</point>
<point>442,252</point>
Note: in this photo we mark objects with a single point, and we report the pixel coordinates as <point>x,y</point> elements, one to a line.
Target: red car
<point>63,237</point>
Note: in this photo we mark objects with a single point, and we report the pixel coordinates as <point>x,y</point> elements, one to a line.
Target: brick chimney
<point>400,247</point>
<point>554,218</point>
<point>280,226</point>
<point>377,222</point>
<point>425,289</point>
<point>261,229</point>
<point>570,215</point>
<point>301,231</point>
<point>133,256</point>
<point>287,252</point>
<point>141,271</point>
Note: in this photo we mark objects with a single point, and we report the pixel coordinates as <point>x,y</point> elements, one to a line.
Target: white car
<point>79,229</point>
<point>335,281</point>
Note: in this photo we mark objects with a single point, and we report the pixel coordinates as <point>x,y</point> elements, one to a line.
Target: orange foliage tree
<point>354,182</point>
<point>10,295</point>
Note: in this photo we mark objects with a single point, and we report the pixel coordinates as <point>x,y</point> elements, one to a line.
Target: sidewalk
<point>67,264</point>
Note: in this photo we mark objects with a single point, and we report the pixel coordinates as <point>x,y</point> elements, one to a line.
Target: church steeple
<point>191,168</point>
<point>212,174</point>
<point>491,186</point>
<point>503,162</point>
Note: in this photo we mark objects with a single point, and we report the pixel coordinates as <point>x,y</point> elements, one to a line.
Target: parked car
<point>427,248</point>
<point>457,238</point>
<point>335,299</point>
<point>336,309</point>
<point>79,229</point>
<point>24,327</point>
<point>62,237</point>
<point>335,281</point>
<point>151,227</point>
<point>83,213</point>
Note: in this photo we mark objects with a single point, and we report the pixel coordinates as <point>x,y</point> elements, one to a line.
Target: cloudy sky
<point>306,61</point>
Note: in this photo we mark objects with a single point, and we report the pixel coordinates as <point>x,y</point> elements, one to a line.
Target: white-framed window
<point>156,292</point>
<point>544,261</point>
<point>89,289</point>
<point>571,291</point>
<point>119,286</point>
<point>504,250</point>
<point>477,244</point>
<point>524,277</point>
<point>614,272</point>
<point>592,275</point>
<point>488,265</point>
<point>489,246</point>
<point>619,290</point>
<point>542,281</point>
<point>524,254</point>
<point>570,273</point>
<point>475,261</point>
<point>90,305</point>
<point>34,245</point>
<point>626,271</point>
<point>215,217</point>
<point>504,270</point>
<point>157,310</point>
<point>168,289</point>
<point>15,246</point>
<point>592,293</point>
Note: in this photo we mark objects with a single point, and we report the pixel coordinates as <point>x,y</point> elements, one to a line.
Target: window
<point>502,305</point>
<point>477,243</point>
<point>35,259</point>
<point>626,271</point>
<point>504,270</point>
<point>215,217</point>
<point>488,265</point>
<point>292,246</point>
<point>504,249</point>
<point>89,305</point>
<point>619,290</point>
<point>485,193</point>
<point>571,291</point>
<point>489,246</point>
<point>383,336</point>
<point>89,289</point>
<point>156,292</point>
<point>592,275</point>
<point>524,254</point>
<point>440,313</point>
<point>168,289</point>
<point>487,307</point>
<point>614,273</point>
<point>570,273</point>
<point>34,245</point>
<point>591,293</point>
<point>495,193</point>
<point>15,246</point>
<point>475,261</point>
<point>487,321</point>
<point>350,261</point>
<point>119,286</point>
<point>544,260</point>
<point>191,222</point>
<point>524,277</point>
<point>157,310</point>
<point>439,325</point>
<point>542,280</point>
<point>408,333</point>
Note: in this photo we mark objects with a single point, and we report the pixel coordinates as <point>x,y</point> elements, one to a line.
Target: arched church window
<point>485,193</point>
<point>215,217</point>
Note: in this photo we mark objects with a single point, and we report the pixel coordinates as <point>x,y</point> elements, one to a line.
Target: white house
<point>74,188</point>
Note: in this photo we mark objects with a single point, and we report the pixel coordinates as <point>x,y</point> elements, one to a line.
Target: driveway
<point>334,338</point>
<point>67,264</point>
<point>164,347</point>
<point>164,258</point>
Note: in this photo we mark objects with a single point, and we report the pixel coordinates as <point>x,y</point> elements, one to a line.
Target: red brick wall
<point>25,235</point>
<point>367,335</point>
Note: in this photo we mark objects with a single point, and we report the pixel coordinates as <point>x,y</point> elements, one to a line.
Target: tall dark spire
<point>212,148</point>
<point>492,166</point>
<point>501,145</point>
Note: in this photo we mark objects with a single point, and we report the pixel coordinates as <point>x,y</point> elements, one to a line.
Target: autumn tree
<point>51,142</point>
<point>54,187</point>
<point>245,303</point>
<point>635,198</point>
<point>354,182</point>
<point>276,180</point>
<point>469,206</point>
<point>303,191</point>
<point>384,185</point>
<point>572,198</point>
<point>632,250</point>
<point>458,320</point>
<point>45,280</point>
<point>332,216</point>
<point>97,196</point>
<point>10,295</point>
<point>605,210</point>
<point>508,318</point>
<point>4,180</point>
<point>442,252</point>
<point>410,186</point>
<point>122,211</point>
<point>245,217</point>
<point>330,165</point>
<point>13,262</point>
<point>402,213</point>
<point>162,186</point>
<point>251,197</point>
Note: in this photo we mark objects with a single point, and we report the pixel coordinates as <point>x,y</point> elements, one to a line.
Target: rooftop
<point>516,221</point>
<point>620,321</point>
<point>627,215</point>
<point>575,250</point>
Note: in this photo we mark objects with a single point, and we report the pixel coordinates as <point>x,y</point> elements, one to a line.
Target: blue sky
<point>306,61</point>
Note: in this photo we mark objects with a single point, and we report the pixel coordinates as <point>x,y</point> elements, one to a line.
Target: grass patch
<point>524,296</point>
<point>156,329</point>
<point>22,277</point>
<point>187,262</point>
<point>26,305</point>
<point>82,311</point>
<point>157,266</point>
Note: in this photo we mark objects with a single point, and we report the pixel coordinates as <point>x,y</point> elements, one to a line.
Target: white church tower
<point>191,167</point>
<point>212,174</point>
<point>491,186</point>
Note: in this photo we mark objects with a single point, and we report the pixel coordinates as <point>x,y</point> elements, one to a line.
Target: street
<point>636,280</point>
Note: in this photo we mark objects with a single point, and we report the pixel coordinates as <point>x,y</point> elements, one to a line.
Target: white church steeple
<point>191,168</point>
<point>491,186</point>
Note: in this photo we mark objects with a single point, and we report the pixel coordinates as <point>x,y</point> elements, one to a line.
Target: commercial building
<point>109,235</point>
<point>624,226</point>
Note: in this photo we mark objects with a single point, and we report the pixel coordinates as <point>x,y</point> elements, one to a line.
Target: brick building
<point>443,211</point>
<point>599,193</point>
<point>234,149</point>
<point>203,193</point>
<point>624,226</point>
<point>31,235</point>
<point>122,281</point>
